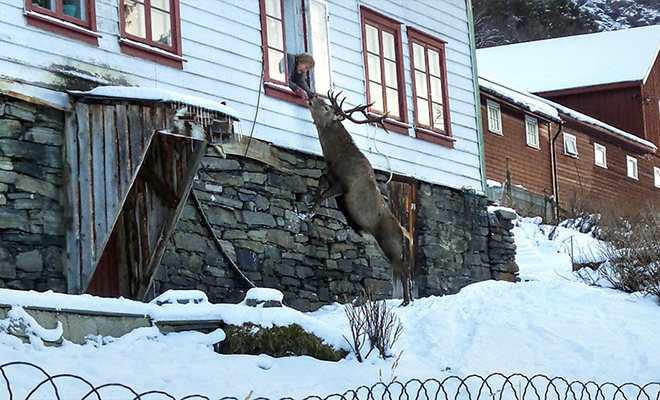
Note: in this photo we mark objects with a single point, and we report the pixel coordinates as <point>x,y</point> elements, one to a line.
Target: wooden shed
<point>132,155</point>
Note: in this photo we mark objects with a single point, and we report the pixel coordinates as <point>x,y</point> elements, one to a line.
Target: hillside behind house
<point>502,22</point>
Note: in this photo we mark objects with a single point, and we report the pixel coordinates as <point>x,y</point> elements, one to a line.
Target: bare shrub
<point>634,254</point>
<point>373,321</point>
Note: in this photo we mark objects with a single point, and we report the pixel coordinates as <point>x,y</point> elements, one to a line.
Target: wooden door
<point>403,203</point>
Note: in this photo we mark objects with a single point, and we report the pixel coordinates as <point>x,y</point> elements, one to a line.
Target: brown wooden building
<point>606,90</point>
<point>543,153</point>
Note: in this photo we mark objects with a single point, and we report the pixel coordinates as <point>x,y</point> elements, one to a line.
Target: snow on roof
<point>551,109</point>
<point>574,61</point>
<point>155,94</point>
<point>593,121</point>
<point>526,100</point>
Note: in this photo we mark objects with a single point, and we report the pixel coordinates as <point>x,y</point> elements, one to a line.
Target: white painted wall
<point>222,45</point>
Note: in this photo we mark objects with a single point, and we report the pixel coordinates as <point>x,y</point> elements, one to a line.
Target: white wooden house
<point>413,59</point>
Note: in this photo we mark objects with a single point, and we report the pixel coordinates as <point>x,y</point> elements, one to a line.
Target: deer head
<point>324,114</point>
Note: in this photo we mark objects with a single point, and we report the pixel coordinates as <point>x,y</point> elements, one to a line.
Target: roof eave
<point>590,89</point>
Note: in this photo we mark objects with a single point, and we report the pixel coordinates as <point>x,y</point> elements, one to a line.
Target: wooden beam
<point>199,150</point>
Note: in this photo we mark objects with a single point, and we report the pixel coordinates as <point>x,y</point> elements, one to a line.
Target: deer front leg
<point>322,195</point>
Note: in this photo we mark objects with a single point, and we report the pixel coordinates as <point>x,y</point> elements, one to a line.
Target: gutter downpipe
<point>477,97</point>
<point>553,160</point>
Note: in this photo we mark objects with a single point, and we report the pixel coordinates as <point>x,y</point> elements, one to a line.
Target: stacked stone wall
<point>501,244</point>
<point>255,212</point>
<point>32,232</point>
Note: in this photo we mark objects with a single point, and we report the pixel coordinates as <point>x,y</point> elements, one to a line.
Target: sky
<point>550,323</point>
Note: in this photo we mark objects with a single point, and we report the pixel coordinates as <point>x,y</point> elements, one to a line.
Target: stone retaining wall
<point>254,209</point>
<point>32,233</point>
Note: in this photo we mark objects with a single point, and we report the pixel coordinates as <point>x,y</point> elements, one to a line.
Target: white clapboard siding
<point>221,42</point>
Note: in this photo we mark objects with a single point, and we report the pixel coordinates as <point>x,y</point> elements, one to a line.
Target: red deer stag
<point>350,178</point>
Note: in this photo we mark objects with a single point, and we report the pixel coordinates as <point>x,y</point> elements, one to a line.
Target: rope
<point>208,226</point>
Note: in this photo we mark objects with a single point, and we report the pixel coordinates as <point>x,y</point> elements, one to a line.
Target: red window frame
<point>386,24</point>
<point>272,86</point>
<point>145,47</point>
<point>63,24</point>
<point>432,132</point>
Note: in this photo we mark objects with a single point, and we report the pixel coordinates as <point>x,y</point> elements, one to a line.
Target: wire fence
<point>24,380</point>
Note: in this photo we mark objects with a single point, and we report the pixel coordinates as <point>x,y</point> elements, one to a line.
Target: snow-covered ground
<point>550,323</point>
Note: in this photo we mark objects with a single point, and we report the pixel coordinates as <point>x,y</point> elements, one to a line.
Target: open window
<point>383,60</point>
<point>600,155</point>
<point>429,77</point>
<point>494,117</point>
<point>150,29</point>
<point>570,145</point>
<point>75,19</point>
<point>532,129</point>
<point>631,163</point>
<point>292,27</point>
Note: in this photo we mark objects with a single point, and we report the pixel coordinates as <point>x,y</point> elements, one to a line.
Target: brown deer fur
<point>350,178</point>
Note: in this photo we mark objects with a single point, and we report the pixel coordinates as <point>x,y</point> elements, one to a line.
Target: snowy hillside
<point>549,323</point>
<point>621,14</point>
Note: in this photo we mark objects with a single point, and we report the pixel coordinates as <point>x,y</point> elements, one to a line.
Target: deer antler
<point>348,114</point>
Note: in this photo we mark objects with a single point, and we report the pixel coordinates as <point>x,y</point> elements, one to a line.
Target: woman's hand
<point>300,92</point>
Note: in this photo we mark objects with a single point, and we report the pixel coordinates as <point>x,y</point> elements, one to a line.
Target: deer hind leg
<point>390,238</point>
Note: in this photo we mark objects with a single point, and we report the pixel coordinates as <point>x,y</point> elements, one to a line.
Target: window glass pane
<point>600,155</point>
<point>632,167</point>
<point>274,59</point>
<point>161,4</point>
<point>436,89</point>
<point>274,32</point>
<point>390,74</point>
<point>376,96</point>
<point>393,102</point>
<point>47,4</point>
<point>320,48</point>
<point>74,8</point>
<point>161,30</point>
<point>273,8</point>
<point>656,176</point>
<point>374,68</point>
<point>134,18</point>
<point>423,117</point>
<point>438,116</point>
<point>388,46</point>
<point>421,89</point>
<point>418,52</point>
<point>434,62</point>
<point>372,39</point>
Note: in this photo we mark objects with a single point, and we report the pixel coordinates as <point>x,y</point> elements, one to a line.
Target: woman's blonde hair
<point>305,58</point>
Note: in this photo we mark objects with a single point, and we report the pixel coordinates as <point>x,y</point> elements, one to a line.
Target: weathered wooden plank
<point>73,251</point>
<point>123,151</point>
<point>197,151</point>
<point>122,258</point>
<point>85,196</point>
<point>135,138</point>
<point>112,184</point>
<point>98,180</point>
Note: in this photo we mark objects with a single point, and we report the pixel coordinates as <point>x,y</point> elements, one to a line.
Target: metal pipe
<point>555,179</point>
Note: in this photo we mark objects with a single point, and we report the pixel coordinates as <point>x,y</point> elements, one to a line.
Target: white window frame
<point>494,117</point>
<point>570,145</point>
<point>600,149</point>
<point>631,167</point>
<point>656,176</point>
<point>532,131</point>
